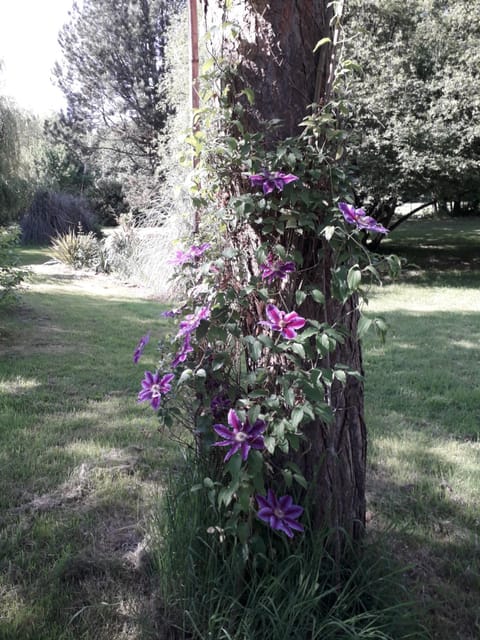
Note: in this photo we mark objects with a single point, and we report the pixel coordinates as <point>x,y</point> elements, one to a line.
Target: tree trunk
<point>273,55</point>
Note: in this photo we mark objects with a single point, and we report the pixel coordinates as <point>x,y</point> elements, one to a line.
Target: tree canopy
<point>112,75</point>
<point>416,102</point>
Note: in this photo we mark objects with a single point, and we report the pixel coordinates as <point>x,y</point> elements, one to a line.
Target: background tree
<point>416,112</point>
<point>275,75</point>
<point>112,75</point>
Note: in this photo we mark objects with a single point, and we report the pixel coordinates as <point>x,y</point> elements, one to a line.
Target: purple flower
<point>191,255</point>
<point>153,387</point>
<point>192,321</point>
<point>196,252</point>
<point>137,354</point>
<point>286,323</point>
<point>170,314</point>
<point>185,349</point>
<point>359,218</point>
<point>270,181</point>
<point>280,513</point>
<point>241,437</point>
<point>220,404</point>
<point>274,268</point>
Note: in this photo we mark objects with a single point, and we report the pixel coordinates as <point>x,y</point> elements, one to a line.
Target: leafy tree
<point>112,76</point>
<point>416,111</point>
<point>10,185</point>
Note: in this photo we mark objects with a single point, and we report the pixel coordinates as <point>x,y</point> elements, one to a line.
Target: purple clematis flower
<point>191,255</point>
<point>286,323</point>
<point>153,387</point>
<point>142,343</point>
<point>220,404</point>
<point>185,349</point>
<point>192,321</point>
<point>280,513</point>
<point>270,181</point>
<point>274,268</point>
<point>196,252</point>
<point>359,218</point>
<point>241,437</point>
<point>171,313</point>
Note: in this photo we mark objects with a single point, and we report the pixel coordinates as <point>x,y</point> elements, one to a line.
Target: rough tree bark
<point>273,55</point>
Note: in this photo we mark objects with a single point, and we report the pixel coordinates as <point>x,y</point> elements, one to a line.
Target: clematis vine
<point>273,268</point>
<point>142,343</point>
<point>286,323</point>
<point>271,181</point>
<point>280,513</point>
<point>359,218</point>
<point>242,436</point>
<point>153,387</point>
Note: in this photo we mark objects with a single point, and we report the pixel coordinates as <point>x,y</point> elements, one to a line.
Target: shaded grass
<point>33,254</point>
<point>423,412</point>
<point>79,464</point>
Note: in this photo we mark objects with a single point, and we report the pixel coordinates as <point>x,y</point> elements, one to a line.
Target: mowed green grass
<point>423,414</point>
<point>80,461</point>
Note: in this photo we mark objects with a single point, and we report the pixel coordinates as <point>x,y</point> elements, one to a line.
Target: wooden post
<point>195,98</point>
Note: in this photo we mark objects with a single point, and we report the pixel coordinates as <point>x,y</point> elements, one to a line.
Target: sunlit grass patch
<point>77,461</point>
<point>423,414</point>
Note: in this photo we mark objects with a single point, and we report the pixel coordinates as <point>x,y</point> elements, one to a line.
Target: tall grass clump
<point>78,250</point>
<point>211,590</point>
<point>54,214</point>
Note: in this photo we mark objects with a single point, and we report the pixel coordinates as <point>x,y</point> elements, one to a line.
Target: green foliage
<point>51,214</point>
<point>12,185</point>
<point>10,275</point>
<point>416,114</point>
<point>77,249</point>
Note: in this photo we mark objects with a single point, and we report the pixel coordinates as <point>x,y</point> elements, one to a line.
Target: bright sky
<point>29,49</point>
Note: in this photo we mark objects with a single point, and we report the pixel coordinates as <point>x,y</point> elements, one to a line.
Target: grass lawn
<point>423,413</point>
<point>80,461</point>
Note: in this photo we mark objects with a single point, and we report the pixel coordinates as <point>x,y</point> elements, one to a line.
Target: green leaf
<point>253,413</point>
<point>321,43</point>
<point>249,94</point>
<point>328,232</point>
<point>297,416</point>
<point>300,296</point>
<point>298,349</point>
<point>364,324</point>
<point>186,375</point>
<point>234,465</point>
<point>318,296</point>
<point>299,478</point>
<point>243,532</point>
<point>225,495</point>
<point>354,278</point>
<point>340,375</point>
<point>270,444</point>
